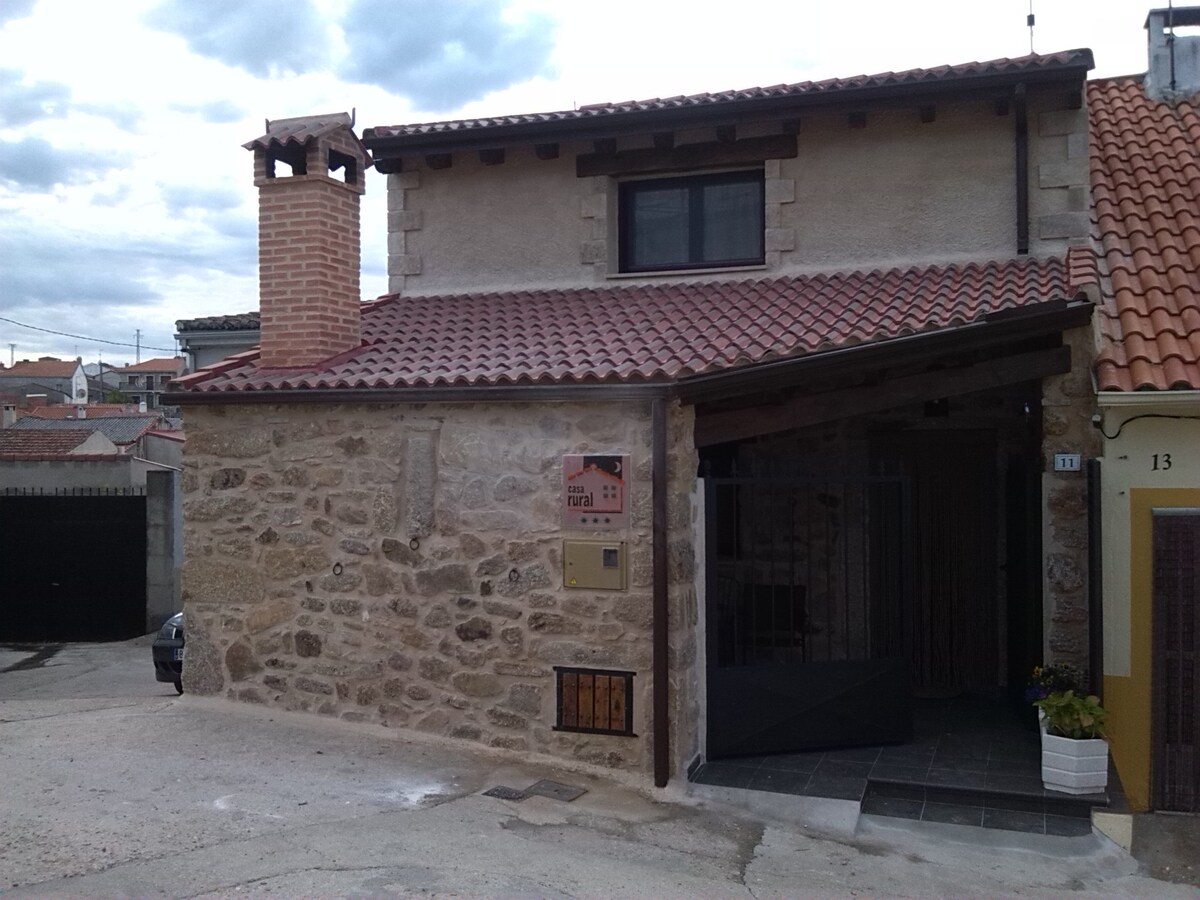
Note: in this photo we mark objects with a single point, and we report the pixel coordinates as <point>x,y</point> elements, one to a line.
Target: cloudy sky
<point>127,202</point>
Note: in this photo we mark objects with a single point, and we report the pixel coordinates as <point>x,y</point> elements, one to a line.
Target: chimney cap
<point>301,130</point>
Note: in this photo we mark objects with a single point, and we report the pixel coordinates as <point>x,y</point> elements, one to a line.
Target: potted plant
<point>1074,752</point>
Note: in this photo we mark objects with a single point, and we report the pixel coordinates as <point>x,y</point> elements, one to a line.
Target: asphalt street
<point>115,787</point>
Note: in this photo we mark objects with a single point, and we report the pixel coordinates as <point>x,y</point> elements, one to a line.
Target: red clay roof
<point>647,333</point>
<point>92,410</point>
<point>163,364</point>
<point>41,443</point>
<point>1030,65</point>
<point>46,368</point>
<point>1145,162</point>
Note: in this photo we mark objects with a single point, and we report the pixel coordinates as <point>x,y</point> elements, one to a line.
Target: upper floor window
<point>698,221</point>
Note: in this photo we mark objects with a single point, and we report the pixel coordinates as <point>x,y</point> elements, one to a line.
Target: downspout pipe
<point>660,644</point>
<point>1021,117</point>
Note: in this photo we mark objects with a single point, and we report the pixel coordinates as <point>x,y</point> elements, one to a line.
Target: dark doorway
<point>74,566</point>
<point>953,620</point>
<point>805,594</point>
<point>1175,723</point>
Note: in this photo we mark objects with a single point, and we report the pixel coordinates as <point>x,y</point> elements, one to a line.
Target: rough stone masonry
<point>401,564</point>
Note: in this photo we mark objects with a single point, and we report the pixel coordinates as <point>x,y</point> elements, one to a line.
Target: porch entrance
<point>807,581</point>
<point>1175,655</point>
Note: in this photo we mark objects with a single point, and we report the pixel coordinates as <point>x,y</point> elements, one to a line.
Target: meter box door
<point>595,565</point>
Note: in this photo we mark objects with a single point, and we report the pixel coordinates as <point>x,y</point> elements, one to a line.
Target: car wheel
<point>179,686</point>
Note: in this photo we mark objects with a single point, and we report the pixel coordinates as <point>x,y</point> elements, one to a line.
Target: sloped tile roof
<point>91,410</point>
<point>1145,173</point>
<point>118,429</point>
<point>647,332</point>
<point>300,129</point>
<point>19,442</point>
<point>163,364</point>
<point>43,368</point>
<point>247,321</point>
<point>912,78</point>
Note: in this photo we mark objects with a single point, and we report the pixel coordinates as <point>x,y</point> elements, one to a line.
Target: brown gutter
<point>661,646</point>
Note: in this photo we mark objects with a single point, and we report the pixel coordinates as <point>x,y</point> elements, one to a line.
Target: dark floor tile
<point>835,787</point>
<point>1014,784</point>
<point>956,747</point>
<point>906,755</point>
<point>724,775</point>
<point>896,789</point>
<point>1030,803</point>
<point>1068,826</point>
<point>778,782</point>
<point>1025,768</point>
<point>843,768</point>
<point>908,774</point>
<point>1014,820</point>
<point>953,778</point>
<point>968,796</point>
<point>950,763</point>
<point>854,754</point>
<point>1058,804</point>
<point>897,807</point>
<point>792,762</point>
<point>1020,747</point>
<point>952,814</point>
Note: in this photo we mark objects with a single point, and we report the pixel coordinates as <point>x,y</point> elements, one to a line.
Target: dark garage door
<point>74,566</point>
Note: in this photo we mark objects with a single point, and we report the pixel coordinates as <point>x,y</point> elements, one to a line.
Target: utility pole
<point>12,354</point>
<point>139,345</point>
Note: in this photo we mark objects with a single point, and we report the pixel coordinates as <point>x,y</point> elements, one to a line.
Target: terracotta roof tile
<point>121,430</point>
<point>42,443</point>
<point>91,410</point>
<point>247,321</point>
<point>45,367</point>
<point>1031,64</point>
<point>164,364</point>
<point>647,332</point>
<point>1145,173</point>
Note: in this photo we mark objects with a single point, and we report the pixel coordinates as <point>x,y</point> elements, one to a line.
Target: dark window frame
<point>627,190</point>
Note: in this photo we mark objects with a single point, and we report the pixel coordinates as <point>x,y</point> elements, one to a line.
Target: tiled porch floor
<point>970,762</point>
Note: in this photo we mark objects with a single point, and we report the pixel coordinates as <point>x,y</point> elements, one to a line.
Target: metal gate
<point>73,564</point>
<point>806,592</point>
<point>1175,766</point>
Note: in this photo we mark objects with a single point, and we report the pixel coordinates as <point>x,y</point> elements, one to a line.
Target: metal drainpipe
<point>1022,148</point>
<point>662,725</point>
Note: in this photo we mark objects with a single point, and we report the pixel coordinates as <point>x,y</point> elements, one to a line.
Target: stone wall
<point>401,564</point>
<point>1067,407</point>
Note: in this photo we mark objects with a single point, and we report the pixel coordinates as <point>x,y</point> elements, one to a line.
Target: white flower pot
<point>1074,766</point>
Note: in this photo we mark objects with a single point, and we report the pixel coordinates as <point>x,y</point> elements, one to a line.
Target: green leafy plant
<point>1046,680</point>
<point>1072,715</point>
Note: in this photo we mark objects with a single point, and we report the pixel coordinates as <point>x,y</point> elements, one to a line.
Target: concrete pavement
<point>113,786</point>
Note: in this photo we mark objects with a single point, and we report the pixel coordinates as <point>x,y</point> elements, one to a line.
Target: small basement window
<point>594,701</point>
<point>698,221</point>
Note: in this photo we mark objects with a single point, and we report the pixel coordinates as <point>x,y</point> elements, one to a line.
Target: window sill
<point>674,273</point>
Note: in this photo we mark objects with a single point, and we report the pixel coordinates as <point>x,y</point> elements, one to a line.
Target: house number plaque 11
<point>595,491</point>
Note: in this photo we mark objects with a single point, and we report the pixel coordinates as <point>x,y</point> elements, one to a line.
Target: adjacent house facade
<point>57,380</point>
<point>146,381</point>
<point>1146,206</point>
<point>210,339</point>
<point>817,347</point>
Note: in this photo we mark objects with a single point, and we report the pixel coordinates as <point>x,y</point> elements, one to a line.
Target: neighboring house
<point>127,431</point>
<point>210,339</point>
<point>146,381</point>
<point>838,330</point>
<point>59,380</point>
<point>1145,135</point>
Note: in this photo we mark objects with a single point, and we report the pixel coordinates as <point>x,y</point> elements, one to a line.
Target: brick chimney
<point>308,238</point>
<point>1174,59</point>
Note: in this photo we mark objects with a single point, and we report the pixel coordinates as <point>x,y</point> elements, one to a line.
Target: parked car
<point>167,651</point>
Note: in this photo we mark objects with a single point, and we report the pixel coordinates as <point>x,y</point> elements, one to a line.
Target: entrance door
<point>1175,655</point>
<point>804,630</point>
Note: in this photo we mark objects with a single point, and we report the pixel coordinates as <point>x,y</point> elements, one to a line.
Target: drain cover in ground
<point>555,790</point>
<point>506,793</point>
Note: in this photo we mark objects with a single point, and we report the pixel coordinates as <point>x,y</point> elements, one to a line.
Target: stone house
<point>57,380</point>
<point>1146,205</point>
<point>832,336</point>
